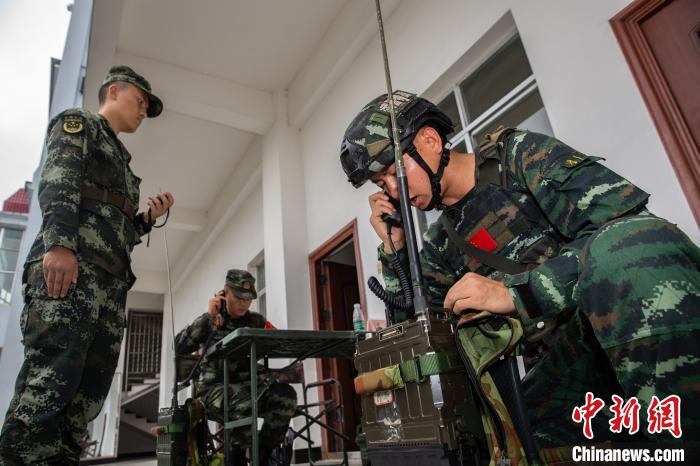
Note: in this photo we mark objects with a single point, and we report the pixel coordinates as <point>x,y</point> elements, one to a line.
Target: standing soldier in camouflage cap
<point>564,243</point>
<point>229,310</point>
<point>78,272</point>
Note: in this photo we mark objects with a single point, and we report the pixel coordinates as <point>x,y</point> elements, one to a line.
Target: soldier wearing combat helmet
<point>228,310</point>
<point>78,272</point>
<point>568,246</point>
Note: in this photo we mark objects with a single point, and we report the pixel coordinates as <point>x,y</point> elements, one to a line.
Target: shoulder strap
<point>414,370</point>
<point>491,156</point>
<point>495,261</point>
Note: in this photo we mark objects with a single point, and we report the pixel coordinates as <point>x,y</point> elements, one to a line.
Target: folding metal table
<point>255,343</point>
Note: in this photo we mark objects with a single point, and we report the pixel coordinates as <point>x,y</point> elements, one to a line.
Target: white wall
<point>237,244</point>
<point>590,96</point>
<point>235,247</point>
<point>593,101</point>
<point>141,301</point>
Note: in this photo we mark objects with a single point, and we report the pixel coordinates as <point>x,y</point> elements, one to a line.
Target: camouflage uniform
<point>278,401</point>
<point>614,289</point>
<point>72,344</point>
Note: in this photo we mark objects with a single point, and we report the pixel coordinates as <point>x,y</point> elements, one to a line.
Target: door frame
<point>348,233</point>
<point>673,130</point>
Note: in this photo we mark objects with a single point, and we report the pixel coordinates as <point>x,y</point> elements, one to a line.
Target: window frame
<point>12,273</point>
<point>254,267</point>
<point>506,103</point>
<point>502,106</point>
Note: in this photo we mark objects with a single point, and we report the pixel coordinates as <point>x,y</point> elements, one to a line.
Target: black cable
<point>189,377</point>
<point>152,224</point>
<point>389,299</point>
<point>404,280</point>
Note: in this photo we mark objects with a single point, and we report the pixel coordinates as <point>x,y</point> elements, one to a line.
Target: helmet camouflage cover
<point>367,146</point>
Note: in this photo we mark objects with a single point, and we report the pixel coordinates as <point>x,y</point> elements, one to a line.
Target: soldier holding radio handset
<point>226,305</point>
<point>532,228</point>
<point>228,310</point>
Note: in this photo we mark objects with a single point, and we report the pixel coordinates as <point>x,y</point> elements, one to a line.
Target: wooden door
<point>333,292</point>
<point>341,291</point>
<point>661,42</point>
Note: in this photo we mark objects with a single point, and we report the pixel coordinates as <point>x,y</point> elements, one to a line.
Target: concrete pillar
<point>286,252</point>
<point>284,219</point>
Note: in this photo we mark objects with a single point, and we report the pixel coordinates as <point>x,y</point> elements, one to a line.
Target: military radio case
<point>171,448</point>
<point>435,421</point>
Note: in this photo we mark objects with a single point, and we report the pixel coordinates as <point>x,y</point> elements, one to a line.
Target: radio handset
<point>223,312</point>
<point>394,219</point>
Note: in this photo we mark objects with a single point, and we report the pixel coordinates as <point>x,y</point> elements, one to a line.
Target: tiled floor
<point>138,462</point>
<point>152,462</point>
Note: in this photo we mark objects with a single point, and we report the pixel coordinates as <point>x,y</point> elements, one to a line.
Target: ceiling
<point>219,66</point>
<point>260,44</point>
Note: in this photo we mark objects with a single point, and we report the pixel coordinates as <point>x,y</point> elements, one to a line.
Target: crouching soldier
<point>537,230</point>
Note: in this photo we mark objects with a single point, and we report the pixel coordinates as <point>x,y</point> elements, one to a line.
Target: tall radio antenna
<point>420,300</point>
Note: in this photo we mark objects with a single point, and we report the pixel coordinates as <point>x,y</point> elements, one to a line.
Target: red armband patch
<point>482,239</point>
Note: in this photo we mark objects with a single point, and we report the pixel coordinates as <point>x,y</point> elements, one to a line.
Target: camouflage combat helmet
<point>241,283</point>
<point>125,74</point>
<point>367,146</point>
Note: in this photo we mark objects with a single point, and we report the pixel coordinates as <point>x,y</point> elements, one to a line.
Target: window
<point>502,91</point>
<point>10,239</point>
<point>257,268</point>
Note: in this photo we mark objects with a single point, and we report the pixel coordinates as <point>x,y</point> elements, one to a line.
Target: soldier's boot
<point>273,457</point>
<point>265,457</point>
<point>6,459</point>
<point>278,406</point>
<point>238,457</point>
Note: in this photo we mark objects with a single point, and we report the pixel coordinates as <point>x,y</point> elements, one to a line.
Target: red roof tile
<point>17,203</point>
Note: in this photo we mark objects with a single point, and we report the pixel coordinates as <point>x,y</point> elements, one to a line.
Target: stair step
<point>138,388</point>
<point>138,392</point>
<point>141,424</point>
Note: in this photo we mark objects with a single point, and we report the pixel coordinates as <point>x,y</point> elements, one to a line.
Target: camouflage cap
<point>242,283</point>
<point>125,74</point>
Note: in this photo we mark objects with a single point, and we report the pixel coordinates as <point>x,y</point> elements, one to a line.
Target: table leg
<point>227,438</point>
<point>254,403</point>
<point>306,411</point>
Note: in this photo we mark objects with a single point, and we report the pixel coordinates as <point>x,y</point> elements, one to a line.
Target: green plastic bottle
<point>358,323</point>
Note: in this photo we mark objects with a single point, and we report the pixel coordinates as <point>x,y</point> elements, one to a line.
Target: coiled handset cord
<point>380,292</point>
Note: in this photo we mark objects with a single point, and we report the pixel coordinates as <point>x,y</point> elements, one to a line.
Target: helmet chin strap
<point>436,188</point>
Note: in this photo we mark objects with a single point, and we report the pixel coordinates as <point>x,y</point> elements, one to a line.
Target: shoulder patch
<point>73,124</point>
<point>573,161</point>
